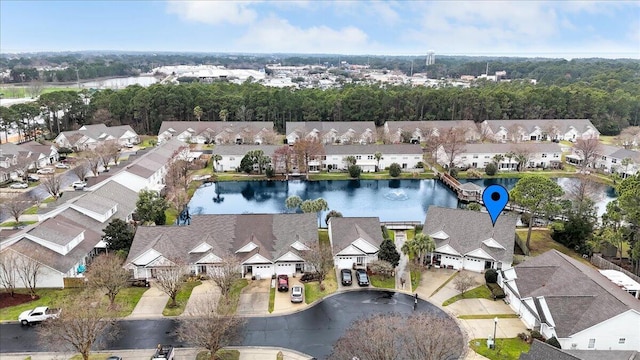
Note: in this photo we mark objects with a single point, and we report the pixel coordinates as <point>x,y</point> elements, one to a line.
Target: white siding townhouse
<point>406,155</point>
<point>466,239</point>
<point>328,132</point>
<point>90,136</point>
<point>564,298</point>
<point>539,129</point>
<point>420,130</point>
<point>69,234</point>
<point>265,244</point>
<point>218,132</point>
<point>613,159</point>
<point>540,155</point>
<point>10,154</point>
<point>232,155</point>
<point>354,240</point>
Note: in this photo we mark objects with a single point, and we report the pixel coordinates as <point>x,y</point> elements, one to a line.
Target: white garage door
<point>285,269</point>
<point>345,262</point>
<point>264,271</point>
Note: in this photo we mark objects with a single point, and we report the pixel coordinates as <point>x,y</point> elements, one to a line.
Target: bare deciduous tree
<point>319,258</point>
<point>305,151</point>
<point>629,137</point>
<point>106,273</point>
<point>269,137</point>
<point>583,194</point>
<point>29,269</point>
<point>515,132</point>
<point>94,161</point>
<point>225,273</point>
<point>81,169</point>
<point>453,143</point>
<point>8,272</point>
<point>16,206</point>
<point>35,88</point>
<point>53,184</point>
<point>587,149</point>
<point>169,278</point>
<point>463,282</point>
<point>522,156</point>
<point>22,165</point>
<point>83,324</point>
<point>422,336</point>
<point>208,328</point>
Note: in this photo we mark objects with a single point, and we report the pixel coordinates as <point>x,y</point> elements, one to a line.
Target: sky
<point>557,29</point>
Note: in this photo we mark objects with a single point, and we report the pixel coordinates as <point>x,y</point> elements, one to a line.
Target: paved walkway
<point>151,304</point>
<point>403,276</point>
<point>204,296</point>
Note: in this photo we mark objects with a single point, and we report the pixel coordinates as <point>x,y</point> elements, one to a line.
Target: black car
<point>345,275</point>
<point>362,277</point>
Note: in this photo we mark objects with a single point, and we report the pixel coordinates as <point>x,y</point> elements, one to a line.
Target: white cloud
<point>277,35</point>
<point>214,12</point>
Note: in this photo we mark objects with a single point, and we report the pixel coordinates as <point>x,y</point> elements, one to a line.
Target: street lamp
<point>495,325</point>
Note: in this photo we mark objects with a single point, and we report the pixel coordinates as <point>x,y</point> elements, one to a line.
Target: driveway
<point>283,302</point>
<point>254,299</point>
<point>203,298</point>
<point>151,304</point>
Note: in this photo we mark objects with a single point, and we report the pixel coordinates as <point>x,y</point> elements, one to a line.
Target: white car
<point>62,166</point>
<point>79,185</point>
<point>19,185</point>
<point>44,171</point>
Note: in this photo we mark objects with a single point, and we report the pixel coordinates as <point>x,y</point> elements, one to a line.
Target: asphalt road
<point>313,331</point>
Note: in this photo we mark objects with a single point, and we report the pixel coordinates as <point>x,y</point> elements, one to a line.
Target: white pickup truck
<point>38,315</point>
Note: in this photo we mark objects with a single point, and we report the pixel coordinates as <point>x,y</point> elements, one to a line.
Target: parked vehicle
<point>45,171</point>
<point>33,178</point>
<point>283,283</point>
<point>163,352</point>
<point>38,315</point>
<point>114,357</point>
<point>307,277</point>
<point>79,185</point>
<point>19,185</point>
<point>345,275</point>
<point>297,294</point>
<point>362,277</point>
<point>62,166</point>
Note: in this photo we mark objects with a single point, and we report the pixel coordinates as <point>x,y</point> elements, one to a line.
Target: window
<point>324,157</point>
<point>475,156</point>
<point>358,157</point>
<point>544,155</point>
<point>369,157</point>
<point>464,158</point>
<point>622,340</point>
<point>486,156</point>
<point>556,155</point>
<point>231,159</point>
<point>592,343</point>
<point>613,161</point>
<point>604,158</point>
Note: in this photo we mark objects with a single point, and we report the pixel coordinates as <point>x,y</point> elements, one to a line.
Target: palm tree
<point>378,157</point>
<point>409,249</point>
<point>498,158</point>
<point>423,244</point>
<point>510,155</point>
<point>197,112</point>
<point>216,158</point>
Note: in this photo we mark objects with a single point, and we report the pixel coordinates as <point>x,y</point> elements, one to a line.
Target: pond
<point>391,200</point>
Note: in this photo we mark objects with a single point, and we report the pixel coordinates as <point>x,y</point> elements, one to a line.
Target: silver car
<point>297,294</point>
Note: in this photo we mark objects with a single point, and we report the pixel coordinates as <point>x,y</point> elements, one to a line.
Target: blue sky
<point>563,29</point>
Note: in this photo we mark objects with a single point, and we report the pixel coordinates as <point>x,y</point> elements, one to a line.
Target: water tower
<point>431,57</point>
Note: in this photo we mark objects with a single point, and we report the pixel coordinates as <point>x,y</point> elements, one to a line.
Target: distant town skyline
<point>553,29</point>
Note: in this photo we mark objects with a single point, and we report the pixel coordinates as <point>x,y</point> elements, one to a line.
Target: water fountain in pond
<point>396,195</point>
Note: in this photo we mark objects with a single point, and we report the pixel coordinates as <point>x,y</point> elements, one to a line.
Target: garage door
<point>345,262</point>
<point>285,268</point>
<point>264,271</point>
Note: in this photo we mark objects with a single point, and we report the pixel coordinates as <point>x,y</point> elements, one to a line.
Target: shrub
<point>395,170</point>
<point>496,291</point>
<point>523,336</point>
<point>279,356</point>
<point>535,334</point>
<point>270,172</point>
<point>554,342</point>
<point>525,218</point>
<point>64,150</point>
<point>491,276</point>
<point>491,169</point>
<point>420,165</point>
<point>354,171</point>
<point>474,174</point>
<point>454,173</point>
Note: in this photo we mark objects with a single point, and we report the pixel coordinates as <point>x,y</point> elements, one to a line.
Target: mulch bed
<point>7,300</point>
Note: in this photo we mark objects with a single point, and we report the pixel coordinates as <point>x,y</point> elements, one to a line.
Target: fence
<point>604,264</point>
<point>522,244</point>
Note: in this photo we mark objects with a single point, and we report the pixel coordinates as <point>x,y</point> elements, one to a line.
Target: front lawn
<point>128,298</point>
<point>14,224</point>
<point>48,297</point>
<point>312,290</point>
<point>542,242</point>
<point>181,299</point>
<point>506,349</point>
<point>480,292</point>
<point>416,275</point>
<point>222,354</point>
<point>323,237</point>
<point>380,281</point>
<point>234,293</point>
<point>272,299</point>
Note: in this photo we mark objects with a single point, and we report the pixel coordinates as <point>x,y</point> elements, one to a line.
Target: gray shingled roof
<point>563,125</point>
<point>57,230</point>
<point>345,230</point>
<point>216,126</point>
<point>241,150</point>
<point>95,203</point>
<point>395,126</point>
<point>625,153</point>
<point>272,233</point>
<point>578,296</point>
<point>468,229</point>
<point>542,351</point>
<point>534,147</point>
<point>305,127</point>
<point>370,149</point>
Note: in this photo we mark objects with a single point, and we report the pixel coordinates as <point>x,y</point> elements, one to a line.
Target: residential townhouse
<point>339,132</point>
<point>265,244</point>
<point>534,155</point>
<point>88,137</point>
<point>564,298</point>
<point>466,239</point>
<point>69,234</point>
<point>34,153</point>
<point>355,241</point>
<point>538,129</point>
<point>408,156</point>
<point>218,132</point>
<point>614,159</point>
<point>542,351</point>
<point>421,130</point>
<point>232,155</point>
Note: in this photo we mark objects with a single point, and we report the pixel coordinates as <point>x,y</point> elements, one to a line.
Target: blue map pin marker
<point>495,198</point>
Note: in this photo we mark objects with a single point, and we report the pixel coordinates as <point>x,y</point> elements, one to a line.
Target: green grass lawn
<point>312,290</point>
<point>234,293</point>
<point>480,292</point>
<point>13,223</point>
<point>541,242</point>
<point>488,316</point>
<point>272,299</point>
<point>382,175</point>
<point>128,298</point>
<point>222,354</point>
<point>383,282</point>
<point>323,237</point>
<point>506,349</point>
<point>415,279</point>
<point>181,299</point>
<point>171,215</point>
<point>607,139</point>
<point>48,297</point>
<point>91,357</point>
